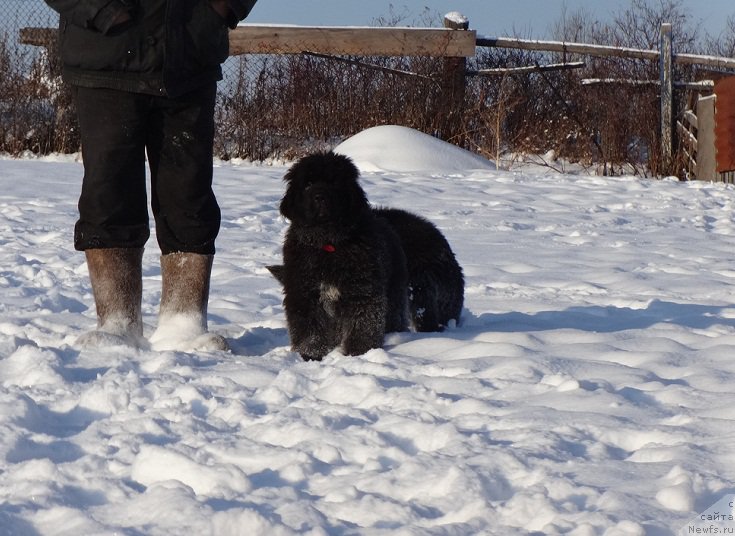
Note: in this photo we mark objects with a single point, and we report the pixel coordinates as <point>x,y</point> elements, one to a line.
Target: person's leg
<point>113,206</point>
<point>113,216</point>
<point>180,146</point>
<point>187,218</point>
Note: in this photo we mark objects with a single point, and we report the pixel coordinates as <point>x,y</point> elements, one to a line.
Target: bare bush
<point>294,104</point>
<point>614,126</point>
<point>33,109</point>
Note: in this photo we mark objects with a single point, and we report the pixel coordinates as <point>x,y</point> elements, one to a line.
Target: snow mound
<point>403,149</point>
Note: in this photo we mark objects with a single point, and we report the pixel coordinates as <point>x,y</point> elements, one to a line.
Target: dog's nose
<point>320,204</point>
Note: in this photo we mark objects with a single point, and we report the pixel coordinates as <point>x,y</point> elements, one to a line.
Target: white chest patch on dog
<point>328,296</point>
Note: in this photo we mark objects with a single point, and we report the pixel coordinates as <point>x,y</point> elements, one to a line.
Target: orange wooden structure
<point>725,124</point>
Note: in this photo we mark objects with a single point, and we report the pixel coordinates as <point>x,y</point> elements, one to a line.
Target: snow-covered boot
<point>182,319</point>
<point>117,285</point>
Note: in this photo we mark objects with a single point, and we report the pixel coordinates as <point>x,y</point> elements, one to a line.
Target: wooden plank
<point>691,118</point>
<point>689,158</point>
<point>453,84</point>
<point>619,81</point>
<point>686,136</point>
<point>702,85</point>
<point>602,51</point>
<point>667,96</point>
<point>706,157</point>
<point>439,42</point>
<point>569,48</point>
<point>691,164</point>
<point>44,37</point>
<point>255,39</point>
<point>709,61</point>
<point>528,69</point>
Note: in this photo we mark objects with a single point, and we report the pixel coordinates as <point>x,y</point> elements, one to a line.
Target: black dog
<point>344,270</point>
<point>435,279</point>
<point>326,206</point>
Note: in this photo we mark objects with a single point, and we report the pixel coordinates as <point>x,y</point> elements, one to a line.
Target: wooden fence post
<point>453,86</point>
<point>666,60</point>
<point>706,156</point>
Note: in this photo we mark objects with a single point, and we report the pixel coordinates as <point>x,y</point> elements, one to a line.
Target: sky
<point>488,17</point>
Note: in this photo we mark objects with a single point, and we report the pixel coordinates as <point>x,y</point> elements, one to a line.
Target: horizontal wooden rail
<point>691,118</point>
<point>357,41</point>
<point>689,139</point>
<point>601,51</point>
<point>40,37</point>
<point>349,41</point>
<point>571,48</point>
<point>501,71</point>
<point>702,85</point>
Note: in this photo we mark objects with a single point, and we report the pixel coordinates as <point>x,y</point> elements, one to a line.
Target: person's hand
<point>220,6</point>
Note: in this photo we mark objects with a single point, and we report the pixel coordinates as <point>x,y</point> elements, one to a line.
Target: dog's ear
<point>344,166</point>
<point>358,200</point>
<point>288,202</point>
<point>287,206</point>
<point>346,170</point>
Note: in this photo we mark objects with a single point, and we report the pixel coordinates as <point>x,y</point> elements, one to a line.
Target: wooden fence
<point>707,132</point>
<point>698,131</point>
<point>455,43</point>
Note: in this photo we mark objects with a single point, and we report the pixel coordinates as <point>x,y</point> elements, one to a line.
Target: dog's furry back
<point>436,282</point>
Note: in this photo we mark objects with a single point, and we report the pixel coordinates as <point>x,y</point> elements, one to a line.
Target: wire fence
<point>269,106</point>
<point>20,13</point>
<point>286,105</point>
<point>283,106</point>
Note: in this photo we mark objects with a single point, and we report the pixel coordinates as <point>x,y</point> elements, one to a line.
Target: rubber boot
<point>117,285</point>
<point>182,319</point>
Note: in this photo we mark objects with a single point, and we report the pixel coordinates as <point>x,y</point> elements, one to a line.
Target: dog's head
<point>322,190</point>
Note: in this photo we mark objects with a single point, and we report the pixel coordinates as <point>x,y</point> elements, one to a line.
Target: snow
<point>588,389</point>
<point>383,148</point>
<point>456,17</point>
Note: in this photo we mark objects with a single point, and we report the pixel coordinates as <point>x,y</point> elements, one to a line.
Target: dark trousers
<point>118,129</point>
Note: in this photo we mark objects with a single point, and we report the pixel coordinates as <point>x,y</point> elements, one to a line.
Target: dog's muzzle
<point>320,205</point>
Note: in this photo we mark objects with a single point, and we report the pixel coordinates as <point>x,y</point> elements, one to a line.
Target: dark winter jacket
<point>168,47</point>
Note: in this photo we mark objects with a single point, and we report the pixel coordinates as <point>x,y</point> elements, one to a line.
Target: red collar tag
<point>329,248</point>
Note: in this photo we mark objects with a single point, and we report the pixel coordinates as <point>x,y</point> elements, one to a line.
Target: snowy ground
<point>590,388</point>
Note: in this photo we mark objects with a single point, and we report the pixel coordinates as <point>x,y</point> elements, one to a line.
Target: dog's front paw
<point>312,349</point>
<point>363,344</point>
